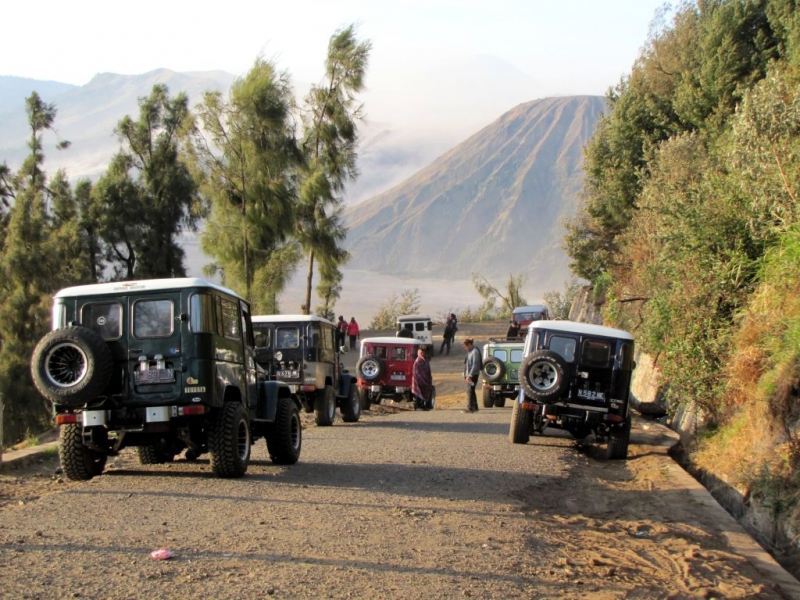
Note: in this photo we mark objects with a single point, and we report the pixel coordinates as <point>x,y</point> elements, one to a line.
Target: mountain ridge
<point>476,207</point>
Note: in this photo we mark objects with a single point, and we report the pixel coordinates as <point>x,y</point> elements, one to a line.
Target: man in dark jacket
<point>422,381</point>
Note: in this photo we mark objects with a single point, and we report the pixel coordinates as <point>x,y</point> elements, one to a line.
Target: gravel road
<point>403,504</point>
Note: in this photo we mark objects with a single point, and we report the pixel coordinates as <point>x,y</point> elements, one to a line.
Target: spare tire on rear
<point>71,366</point>
<point>370,368</point>
<point>542,376</point>
<point>493,369</point>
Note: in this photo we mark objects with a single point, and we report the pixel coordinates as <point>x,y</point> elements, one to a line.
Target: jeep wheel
<point>153,454</point>
<point>370,368</point>
<point>351,406</point>
<point>618,441</point>
<point>486,397</point>
<point>325,407</point>
<point>520,431</point>
<point>71,366</point>
<point>499,401</point>
<point>542,376</point>
<point>229,441</point>
<point>285,435</point>
<point>363,398</point>
<point>493,369</point>
<point>79,462</point>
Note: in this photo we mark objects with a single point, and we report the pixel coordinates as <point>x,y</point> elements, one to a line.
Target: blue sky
<point>566,46</point>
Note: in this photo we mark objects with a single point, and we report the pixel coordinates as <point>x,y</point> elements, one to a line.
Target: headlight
<point>279,355</point>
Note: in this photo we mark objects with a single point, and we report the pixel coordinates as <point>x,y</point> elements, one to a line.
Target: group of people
<point>345,330</point>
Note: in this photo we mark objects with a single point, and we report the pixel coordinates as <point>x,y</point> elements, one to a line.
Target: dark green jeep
<point>163,365</point>
<point>501,360</point>
<point>301,351</point>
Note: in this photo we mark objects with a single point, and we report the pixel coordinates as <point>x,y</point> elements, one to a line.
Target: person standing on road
<point>422,381</point>
<point>447,337</point>
<point>341,331</point>
<point>513,331</point>
<point>472,370</point>
<point>352,332</point>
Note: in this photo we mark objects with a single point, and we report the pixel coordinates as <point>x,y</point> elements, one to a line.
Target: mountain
<point>87,115</point>
<point>492,205</point>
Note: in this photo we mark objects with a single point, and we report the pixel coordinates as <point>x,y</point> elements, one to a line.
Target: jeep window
<point>201,313</point>
<point>379,351</point>
<point>516,356</point>
<point>596,353</point>
<point>104,319</point>
<point>398,353</point>
<point>501,355</point>
<point>262,338</point>
<point>229,313</point>
<point>152,318</point>
<point>419,326</point>
<point>565,346</point>
<point>287,338</point>
<point>626,356</point>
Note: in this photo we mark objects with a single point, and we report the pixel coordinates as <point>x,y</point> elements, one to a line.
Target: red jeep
<point>385,368</point>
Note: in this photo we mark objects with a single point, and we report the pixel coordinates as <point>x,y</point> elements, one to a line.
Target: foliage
<point>689,226</point>
<point>329,149</point>
<point>559,303</point>
<point>36,258</point>
<point>406,302</point>
<point>511,296</point>
<point>244,154</point>
<point>148,196</point>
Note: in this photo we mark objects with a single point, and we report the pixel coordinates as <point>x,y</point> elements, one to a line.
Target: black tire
<point>618,441</point>
<point>520,430</point>
<point>363,398</point>
<point>71,366</point>
<point>285,435</point>
<point>370,368</point>
<point>499,401</point>
<point>229,441</point>
<point>153,455</point>
<point>542,376</point>
<point>486,396</point>
<point>351,406</point>
<point>78,462</point>
<point>325,407</point>
<point>493,369</point>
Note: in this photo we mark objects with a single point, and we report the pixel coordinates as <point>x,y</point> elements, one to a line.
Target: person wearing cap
<point>472,370</point>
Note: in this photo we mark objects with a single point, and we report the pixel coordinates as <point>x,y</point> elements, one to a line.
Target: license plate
<point>287,374</point>
<point>398,377</point>
<point>591,395</point>
<point>154,376</point>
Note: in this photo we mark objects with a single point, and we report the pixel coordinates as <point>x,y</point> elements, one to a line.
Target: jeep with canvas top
<point>301,351</point>
<point>576,376</point>
<point>163,365</point>
<point>385,369</point>
<point>500,372</point>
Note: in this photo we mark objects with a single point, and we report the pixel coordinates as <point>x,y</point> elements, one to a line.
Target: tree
<point>148,193</point>
<point>406,302</point>
<point>559,303</point>
<point>245,156</point>
<point>329,147</point>
<point>511,296</point>
<point>36,258</point>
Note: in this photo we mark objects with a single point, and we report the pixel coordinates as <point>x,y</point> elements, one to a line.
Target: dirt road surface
<point>403,504</point>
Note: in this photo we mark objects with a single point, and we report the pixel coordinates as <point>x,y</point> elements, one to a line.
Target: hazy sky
<point>567,47</point>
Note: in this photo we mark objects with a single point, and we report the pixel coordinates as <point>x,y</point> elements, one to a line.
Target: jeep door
<point>154,347</point>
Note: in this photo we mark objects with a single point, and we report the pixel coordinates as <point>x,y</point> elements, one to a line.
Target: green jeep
<point>501,361</point>
<point>163,365</point>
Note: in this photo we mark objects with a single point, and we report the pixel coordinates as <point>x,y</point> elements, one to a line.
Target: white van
<point>421,328</point>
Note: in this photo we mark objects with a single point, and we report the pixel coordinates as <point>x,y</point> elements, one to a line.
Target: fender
<point>268,394</point>
<point>346,381</point>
